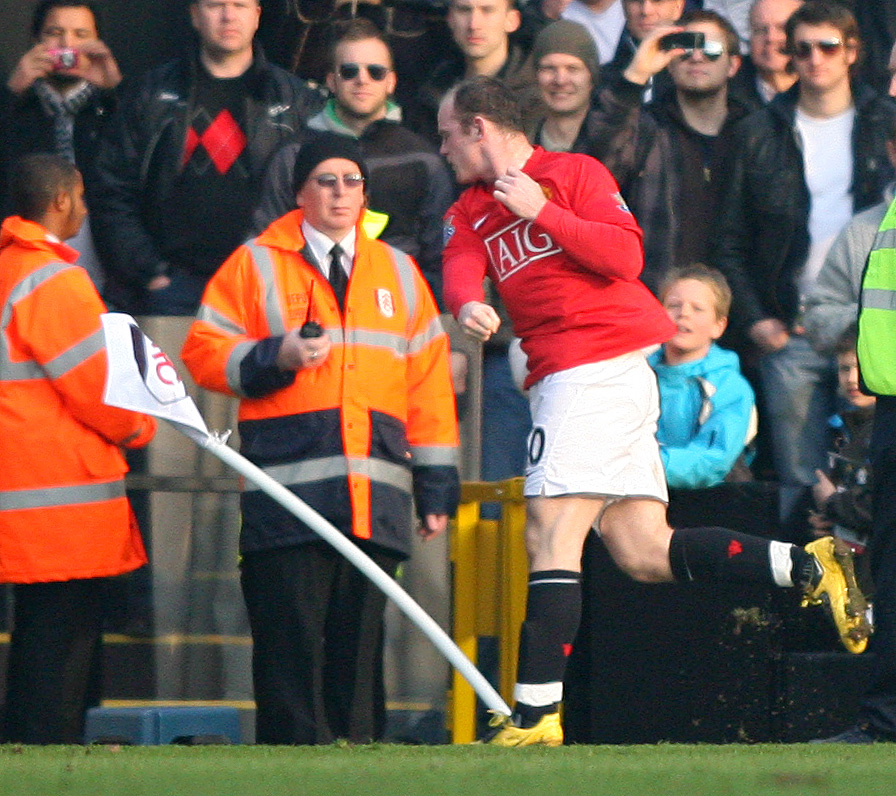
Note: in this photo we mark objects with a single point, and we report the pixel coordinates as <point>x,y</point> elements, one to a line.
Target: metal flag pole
<point>143,378</point>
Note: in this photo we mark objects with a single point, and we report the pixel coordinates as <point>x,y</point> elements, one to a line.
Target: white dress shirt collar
<point>320,246</point>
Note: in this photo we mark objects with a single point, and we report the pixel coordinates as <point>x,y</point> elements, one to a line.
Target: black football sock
<point>712,554</point>
<point>553,611</point>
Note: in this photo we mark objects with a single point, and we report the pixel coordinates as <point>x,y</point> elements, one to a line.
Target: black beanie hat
<point>321,147</point>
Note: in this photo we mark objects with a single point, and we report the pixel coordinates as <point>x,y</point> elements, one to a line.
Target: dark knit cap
<point>569,38</point>
<point>321,147</point>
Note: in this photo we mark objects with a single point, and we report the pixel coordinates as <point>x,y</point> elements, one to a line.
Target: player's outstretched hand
<point>479,320</point>
<point>520,194</point>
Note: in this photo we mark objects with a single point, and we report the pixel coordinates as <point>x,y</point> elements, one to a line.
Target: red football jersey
<point>569,278</point>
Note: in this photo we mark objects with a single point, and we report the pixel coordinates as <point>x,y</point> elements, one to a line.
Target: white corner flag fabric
<point>143,378</point>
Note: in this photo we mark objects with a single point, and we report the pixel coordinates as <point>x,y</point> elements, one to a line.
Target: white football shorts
<point>594,432</point>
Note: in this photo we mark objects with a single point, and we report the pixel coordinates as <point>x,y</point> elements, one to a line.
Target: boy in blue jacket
<point>707,408</point>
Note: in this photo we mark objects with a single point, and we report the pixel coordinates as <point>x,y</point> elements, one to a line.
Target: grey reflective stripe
<point>382,472</point>
<point>24,371</point>
<point>262,257</point>
<point>27,286</point>
<point>336,335</point>
<point>49,497</point>
<point>19,371</point>
<point>878,299</point>
<point>232,368</point>
<point>59,366</point>
<point>308,472</point>
<point>434,456</point>
<point>419,341</point>
<point>406,277</point>
<point>885,239</point>
<point>394,342</point>
<point>215,318</point>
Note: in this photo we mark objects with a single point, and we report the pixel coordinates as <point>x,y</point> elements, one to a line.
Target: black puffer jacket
<point>141,153</point>
<point>763,232</point>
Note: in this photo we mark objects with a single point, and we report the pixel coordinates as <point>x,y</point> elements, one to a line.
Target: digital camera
<point>64,58</point>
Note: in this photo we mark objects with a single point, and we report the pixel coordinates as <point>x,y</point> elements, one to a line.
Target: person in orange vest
<point>332,341</point>
<point>65,523</point>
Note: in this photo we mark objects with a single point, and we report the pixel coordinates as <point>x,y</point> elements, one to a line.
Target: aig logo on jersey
<point>518,245</point>
<point>385,302</point>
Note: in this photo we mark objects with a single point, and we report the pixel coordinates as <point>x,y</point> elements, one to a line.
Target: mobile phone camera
<point>688,40</point>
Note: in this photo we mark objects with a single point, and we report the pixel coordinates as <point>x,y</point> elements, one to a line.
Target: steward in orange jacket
<point>63,510</point>
<point>356,416</point>
<point>352,436</point>
<point>65,523</point>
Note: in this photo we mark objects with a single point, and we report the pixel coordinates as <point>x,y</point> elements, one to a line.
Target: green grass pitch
<point>391,770</point>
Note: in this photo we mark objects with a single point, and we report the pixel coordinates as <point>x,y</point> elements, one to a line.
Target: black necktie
<point>338,277</point>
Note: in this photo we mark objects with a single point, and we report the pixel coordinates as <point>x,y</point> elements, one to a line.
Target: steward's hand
<point>297,352</point>
<point>433,525</point>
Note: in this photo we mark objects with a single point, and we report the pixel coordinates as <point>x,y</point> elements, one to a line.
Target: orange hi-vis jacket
<point>357,436</point>
<point>63,510</point>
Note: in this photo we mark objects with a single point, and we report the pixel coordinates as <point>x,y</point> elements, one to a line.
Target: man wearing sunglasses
<point>668,155</point>
<point>332,342</point>
<point>802,166</point>
<point>181,164</point>
<point>409,182</point>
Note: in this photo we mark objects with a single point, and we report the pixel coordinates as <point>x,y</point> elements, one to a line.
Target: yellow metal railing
<point>490,574</point>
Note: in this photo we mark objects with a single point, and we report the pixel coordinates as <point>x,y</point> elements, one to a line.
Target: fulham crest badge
<point>385,302</point>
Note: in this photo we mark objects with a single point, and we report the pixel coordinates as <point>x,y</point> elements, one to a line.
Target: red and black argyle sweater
<point>214,195</point>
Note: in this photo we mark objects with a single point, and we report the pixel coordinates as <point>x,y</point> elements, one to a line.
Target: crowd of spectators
<point>185,162</point>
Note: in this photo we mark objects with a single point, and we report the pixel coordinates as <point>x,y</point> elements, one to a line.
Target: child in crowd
<point>842,495</point>
<point>707,408</point>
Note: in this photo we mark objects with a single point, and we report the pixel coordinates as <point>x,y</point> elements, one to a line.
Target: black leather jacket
<point>25,128</point>
<point>763,231</point>
<point>644,148</point>
<point>141,154</point>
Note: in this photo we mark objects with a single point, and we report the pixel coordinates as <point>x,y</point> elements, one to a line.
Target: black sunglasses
<point>376,72</point>
<point>803,49</point>
<point>353,180</point>
<point>712,51</point>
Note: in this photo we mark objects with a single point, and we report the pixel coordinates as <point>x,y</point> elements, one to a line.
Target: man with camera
<point>59,97</point>
<point>667,156</point>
